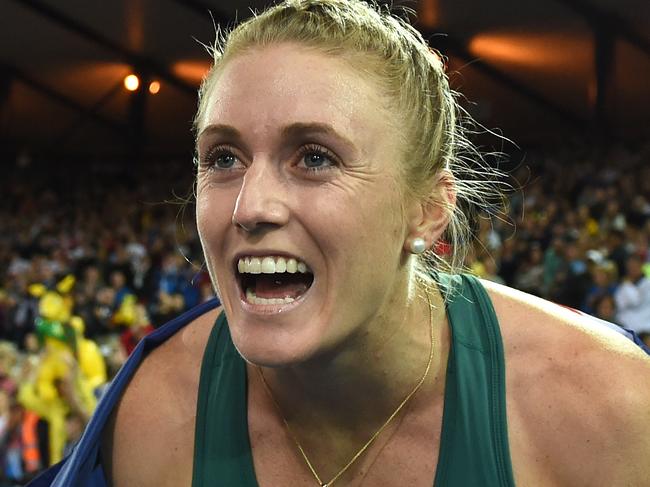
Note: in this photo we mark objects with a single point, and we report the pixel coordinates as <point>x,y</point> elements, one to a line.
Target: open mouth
<point>273,280</point>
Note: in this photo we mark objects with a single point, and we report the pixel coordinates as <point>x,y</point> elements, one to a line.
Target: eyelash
<point>209,160</point>
<point>320,150</point>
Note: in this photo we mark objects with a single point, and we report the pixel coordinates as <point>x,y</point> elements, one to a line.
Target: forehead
<point>282,84</point>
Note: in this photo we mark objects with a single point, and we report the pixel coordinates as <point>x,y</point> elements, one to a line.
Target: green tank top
<point>474,443</point>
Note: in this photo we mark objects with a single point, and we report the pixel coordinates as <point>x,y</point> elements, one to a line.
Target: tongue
<point>281,285</point>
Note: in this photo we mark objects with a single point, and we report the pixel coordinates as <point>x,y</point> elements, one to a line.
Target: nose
<point>261,202</point>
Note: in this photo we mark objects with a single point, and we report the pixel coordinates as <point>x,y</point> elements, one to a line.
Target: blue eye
<point>221,159</point>
<point>225,160</point>
<point>316,159</point>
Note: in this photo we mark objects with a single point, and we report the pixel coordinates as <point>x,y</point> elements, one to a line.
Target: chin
<point>271,350</point>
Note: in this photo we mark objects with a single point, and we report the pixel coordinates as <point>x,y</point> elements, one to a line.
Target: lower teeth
<point>252,298</point>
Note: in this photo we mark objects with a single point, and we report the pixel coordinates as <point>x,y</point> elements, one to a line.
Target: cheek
<point>362,225</point>
<point>202,210</point>
<point>212,219</point>
<point>211,224</point>
<point>381,214</point>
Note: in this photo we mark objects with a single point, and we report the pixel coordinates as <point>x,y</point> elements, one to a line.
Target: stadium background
<point>95,177</point>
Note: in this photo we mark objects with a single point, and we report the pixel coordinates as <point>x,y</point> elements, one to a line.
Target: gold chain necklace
<point>377,433</point>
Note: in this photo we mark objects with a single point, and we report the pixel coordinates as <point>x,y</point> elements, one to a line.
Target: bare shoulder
<point>578,394</point>
<point>149,439</point>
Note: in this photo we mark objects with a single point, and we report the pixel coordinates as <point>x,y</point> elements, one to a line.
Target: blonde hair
<point>413,77</point>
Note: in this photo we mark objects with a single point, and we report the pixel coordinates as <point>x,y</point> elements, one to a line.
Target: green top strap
<point>222,450</point>
<point>474,447</point>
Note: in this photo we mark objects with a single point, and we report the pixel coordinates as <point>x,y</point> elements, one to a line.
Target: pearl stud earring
<point>418,245</point>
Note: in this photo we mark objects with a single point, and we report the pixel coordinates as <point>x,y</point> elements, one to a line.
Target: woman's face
<point>299,160</point>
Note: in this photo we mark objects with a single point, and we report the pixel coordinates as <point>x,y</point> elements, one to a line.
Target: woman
<point>327,147</point>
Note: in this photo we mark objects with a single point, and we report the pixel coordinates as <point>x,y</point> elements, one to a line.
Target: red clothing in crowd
<point>130,339</point>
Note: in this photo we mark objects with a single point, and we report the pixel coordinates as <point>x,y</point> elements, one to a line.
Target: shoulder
<point>153,422</point>
<point>578,391</point>
<point>556,331</point>
<point>173,362</point>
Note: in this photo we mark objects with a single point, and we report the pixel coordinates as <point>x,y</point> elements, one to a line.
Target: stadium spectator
<point>603,277</point>
<point>633,297</point>
<point>529,277</point>
<point>137,330</point>
<point>605,307</point>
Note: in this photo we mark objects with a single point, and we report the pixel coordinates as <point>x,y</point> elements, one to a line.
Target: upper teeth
<point>270,265</point>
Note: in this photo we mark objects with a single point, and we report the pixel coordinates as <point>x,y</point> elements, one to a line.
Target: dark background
<point>541,72</point>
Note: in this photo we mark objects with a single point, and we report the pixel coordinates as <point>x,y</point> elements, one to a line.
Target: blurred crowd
<point>87,269</point>
<point>577,233</point>
<point>90,262</point>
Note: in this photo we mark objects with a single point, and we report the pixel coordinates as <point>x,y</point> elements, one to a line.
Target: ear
<point>429,218</point>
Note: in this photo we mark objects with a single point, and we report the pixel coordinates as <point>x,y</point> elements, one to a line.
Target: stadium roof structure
<point>534,69</point>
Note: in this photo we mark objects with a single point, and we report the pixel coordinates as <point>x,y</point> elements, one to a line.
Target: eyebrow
<point>293,130</point>
<point>300,128</point>
<point>226,131</point>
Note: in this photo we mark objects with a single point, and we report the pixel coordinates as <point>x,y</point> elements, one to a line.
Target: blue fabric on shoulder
<point>82,468</point>
<point>629,334</point>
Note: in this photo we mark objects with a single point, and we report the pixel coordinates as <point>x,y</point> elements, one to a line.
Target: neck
<point>356,387</point>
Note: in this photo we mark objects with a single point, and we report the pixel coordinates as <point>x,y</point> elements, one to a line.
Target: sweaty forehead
<point>276,85</point>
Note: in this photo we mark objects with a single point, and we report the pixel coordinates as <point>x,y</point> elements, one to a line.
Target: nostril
<point>257,227</point>
<point>238,224</point>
